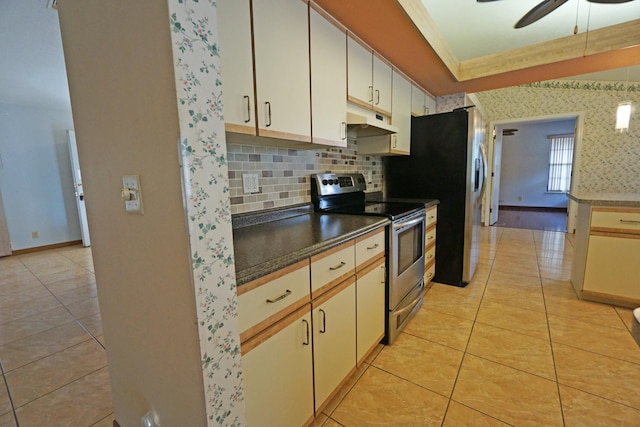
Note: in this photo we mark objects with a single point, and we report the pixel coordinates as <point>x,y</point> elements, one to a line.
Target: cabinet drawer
<point>369,247</point>
<point>430,236</point>
<point>331,267</point>
<point>429,272</point>
<point>270,298</point>
<point>430,256</point>
<point>432,216</point>
<point>616,220</point>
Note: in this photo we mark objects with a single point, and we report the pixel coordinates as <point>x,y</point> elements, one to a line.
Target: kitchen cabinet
<point>334,340</point>
<point>609,266</point>
<point>369,78</point>
<point>430,244</point>
<point>331,267</point>
<point>370,307</point>
<point>400,142</point>
<point>279,65</point>
<point>421,103</point>
<point>328,81</point>
<point>234,29</point>
<point>277,371</point>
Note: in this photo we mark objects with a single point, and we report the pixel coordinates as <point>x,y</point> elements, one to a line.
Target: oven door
<point>406,256</point>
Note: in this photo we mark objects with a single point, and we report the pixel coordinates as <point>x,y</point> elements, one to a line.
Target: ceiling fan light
<point>623,116</point>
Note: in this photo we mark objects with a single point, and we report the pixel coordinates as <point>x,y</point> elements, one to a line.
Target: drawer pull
<point>430,274</point>
<point>373,247</point>
<point>323,328</point>
<point>342,264</point>
<point>281,297</point>
<point>629,221</point>
<point>307,337</point>
<point>431,237</point>
<point>432,217</point>
<point>430,256</point>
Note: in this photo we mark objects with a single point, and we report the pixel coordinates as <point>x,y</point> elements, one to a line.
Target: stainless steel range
<point>345,194</point>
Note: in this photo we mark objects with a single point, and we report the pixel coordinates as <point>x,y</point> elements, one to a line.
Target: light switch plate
<point>132,184</point>
<point>250,183</point>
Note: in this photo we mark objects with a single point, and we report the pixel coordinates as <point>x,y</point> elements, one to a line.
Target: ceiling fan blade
<point>540,11</point>
<point>609,1</point>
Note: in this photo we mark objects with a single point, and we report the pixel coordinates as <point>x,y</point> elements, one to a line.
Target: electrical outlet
<point>34,235</point>
<point>250,183</point>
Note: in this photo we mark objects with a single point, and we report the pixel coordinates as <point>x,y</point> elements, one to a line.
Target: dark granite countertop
<point>266,242</point>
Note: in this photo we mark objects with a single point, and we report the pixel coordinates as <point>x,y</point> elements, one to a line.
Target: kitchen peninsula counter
<point>267,241</point>
<point>629,200</point>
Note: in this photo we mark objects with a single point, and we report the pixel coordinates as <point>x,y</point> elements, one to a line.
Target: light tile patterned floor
<point>514,347</point>
<point>52,351</point>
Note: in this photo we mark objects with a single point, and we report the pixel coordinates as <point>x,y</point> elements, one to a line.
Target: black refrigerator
<point>447,162</point>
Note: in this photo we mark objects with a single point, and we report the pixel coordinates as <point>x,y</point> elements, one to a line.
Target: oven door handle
<point>408,223</point>
<point>408,307</point>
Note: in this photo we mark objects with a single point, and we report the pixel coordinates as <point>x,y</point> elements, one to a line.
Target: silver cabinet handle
<point>323,328</point>
<point>373,247</point>
<point>629,221</point>
<point>342,264</point>
<point>281,297</point>
<point>344,131</point>
<point>268,105</point>
<point>246,97</point>
<point>430,274</point>
<point>431,238</point>
<point>395,141</point>
<point>371,94</point>
<point>307,342</point>
<point>430,256</point>
<point>432,217</point>
<point>378,96</point>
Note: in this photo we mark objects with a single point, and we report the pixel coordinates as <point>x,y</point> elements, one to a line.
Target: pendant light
<point>623,114</point>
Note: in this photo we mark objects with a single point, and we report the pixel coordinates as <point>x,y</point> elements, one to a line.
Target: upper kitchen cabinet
<point>421,102</point>
<point>369,78</point>
<point>398,143</point>
<point>280,65</point>
<point>234,29</point>
<point>328,81</point>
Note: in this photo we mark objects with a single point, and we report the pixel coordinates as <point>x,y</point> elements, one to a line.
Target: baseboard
<point>46,247</point>
<point>532,208</point>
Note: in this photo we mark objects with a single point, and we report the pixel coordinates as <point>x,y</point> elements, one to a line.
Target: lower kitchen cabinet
<point>334,339</point>
<point>278,374</point>
<point>370,312</point>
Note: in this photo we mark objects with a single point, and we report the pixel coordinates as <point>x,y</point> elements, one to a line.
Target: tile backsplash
<point>284,173</point>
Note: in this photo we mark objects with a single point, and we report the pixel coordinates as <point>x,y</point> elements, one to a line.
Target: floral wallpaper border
<point>586,85</point>
<point>206,188</point>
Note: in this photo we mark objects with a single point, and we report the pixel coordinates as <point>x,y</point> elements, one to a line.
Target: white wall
<point>35,176</point>
<point>525,164</point>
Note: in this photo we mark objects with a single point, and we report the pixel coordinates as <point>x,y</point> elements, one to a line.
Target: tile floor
<point>54,366</point>
<point>514,347</point>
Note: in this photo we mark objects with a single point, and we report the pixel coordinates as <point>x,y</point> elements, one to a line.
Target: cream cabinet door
<point>401,115</point>
<point>382,82</point>
<point>359,74</point>
<point>281,40</point>
<point>370,308</point>
<point>234,28</point>
<point>334,339</point>
<point>278,373</point>
<point>612,268</point>
<point>418,101</point>
<point>328,82</point>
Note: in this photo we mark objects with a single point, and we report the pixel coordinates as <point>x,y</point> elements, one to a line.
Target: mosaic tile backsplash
<point>284,173</point>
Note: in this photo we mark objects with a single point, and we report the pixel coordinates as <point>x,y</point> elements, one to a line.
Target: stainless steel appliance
<point>447,163</point>
<point>345,194</point>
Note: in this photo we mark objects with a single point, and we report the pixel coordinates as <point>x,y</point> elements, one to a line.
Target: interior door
<point>5,241</point>
<point>495,175</point>
<point>79,192</point>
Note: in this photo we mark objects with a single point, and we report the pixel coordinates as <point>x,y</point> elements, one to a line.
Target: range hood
<point>361,125</point>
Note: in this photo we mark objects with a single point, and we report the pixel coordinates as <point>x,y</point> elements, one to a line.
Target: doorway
<point>520,193</point>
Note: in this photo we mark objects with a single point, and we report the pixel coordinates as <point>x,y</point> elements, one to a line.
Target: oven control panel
<point>335,183</point>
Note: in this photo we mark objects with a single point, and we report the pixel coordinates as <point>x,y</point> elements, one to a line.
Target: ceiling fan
<point>547,6</point>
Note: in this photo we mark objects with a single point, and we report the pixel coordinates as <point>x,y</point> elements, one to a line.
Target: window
<point>560,160</point>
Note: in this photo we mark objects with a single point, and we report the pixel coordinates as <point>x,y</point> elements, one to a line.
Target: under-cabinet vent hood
<point>364,124</point>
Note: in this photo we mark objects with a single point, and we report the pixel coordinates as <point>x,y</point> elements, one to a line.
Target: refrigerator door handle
<point>484,170</point>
